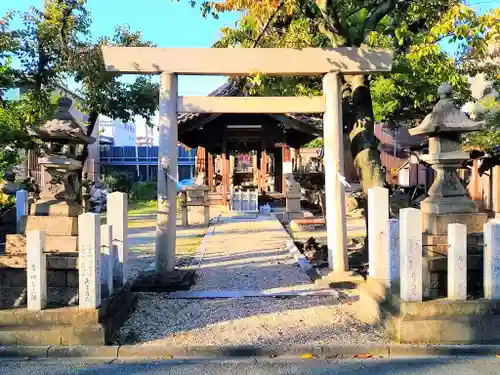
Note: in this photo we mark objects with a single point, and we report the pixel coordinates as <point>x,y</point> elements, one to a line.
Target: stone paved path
<point>248,254</point>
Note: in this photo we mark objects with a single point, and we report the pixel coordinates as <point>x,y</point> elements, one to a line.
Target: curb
<point>145,352</point>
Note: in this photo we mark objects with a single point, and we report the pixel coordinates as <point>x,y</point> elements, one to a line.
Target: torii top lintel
<point>246,61</point>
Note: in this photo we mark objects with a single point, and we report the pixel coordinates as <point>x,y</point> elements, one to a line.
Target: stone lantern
<point>447,201</point>
<point>64,138</point>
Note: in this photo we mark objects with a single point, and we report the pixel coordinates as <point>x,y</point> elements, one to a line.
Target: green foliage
<point>6,201</point>
<point>317,143</point>
<point>411,29</point>
<point>54,44</point>
<point>489,138</point>
<point>118,181</point>
<point>144,191</point>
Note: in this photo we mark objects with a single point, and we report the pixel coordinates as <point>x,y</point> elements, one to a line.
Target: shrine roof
<point>299,128</point>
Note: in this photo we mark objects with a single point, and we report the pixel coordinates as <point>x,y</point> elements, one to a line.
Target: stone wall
<point>62,287</point>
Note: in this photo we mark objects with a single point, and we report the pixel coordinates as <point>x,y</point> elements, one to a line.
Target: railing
<point>130,155</point>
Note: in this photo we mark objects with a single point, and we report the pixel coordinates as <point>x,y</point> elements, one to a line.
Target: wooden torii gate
<point>170,62</point>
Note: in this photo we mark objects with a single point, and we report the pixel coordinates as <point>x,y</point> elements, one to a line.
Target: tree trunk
<point>88,130</point>
<point>364,144</point>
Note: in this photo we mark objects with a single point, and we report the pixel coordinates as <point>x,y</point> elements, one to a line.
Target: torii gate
<point>170,62</point>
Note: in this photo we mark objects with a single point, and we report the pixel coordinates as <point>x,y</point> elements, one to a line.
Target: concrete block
<point>51,207</point>
<point>457,262</point>
<point>52,225</point>
<point>438,224</point>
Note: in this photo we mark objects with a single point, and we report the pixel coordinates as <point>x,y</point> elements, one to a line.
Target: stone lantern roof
<point>446,117</point>
<point>63,128</point>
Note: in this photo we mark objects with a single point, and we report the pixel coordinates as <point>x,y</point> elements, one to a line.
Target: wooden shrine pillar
<point>278,170</point>
<point>475,194</point>
<point>210,172</point>
<point>225,172</point>
<point>263,170</point>
<point>286,165</point>
<point>201,160</point>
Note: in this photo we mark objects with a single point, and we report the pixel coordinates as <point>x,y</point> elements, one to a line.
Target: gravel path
<point>248,254</point>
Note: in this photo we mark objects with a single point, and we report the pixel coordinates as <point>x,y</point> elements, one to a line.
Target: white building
<point>123,134</point>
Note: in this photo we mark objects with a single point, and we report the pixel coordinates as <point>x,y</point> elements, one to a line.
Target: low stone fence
<point>94,270</point>
<point>396,252</point>
<point>244,201</point>
<point>421,297</point>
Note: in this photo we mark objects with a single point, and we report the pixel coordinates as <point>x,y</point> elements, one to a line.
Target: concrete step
<point>51,225</point>
<point>59,335</point>
<point>62,262</point>
<point>16,244</point>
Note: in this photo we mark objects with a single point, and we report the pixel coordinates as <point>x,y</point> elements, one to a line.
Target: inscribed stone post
<point>491,259</point>
<point>378,228</point>
<point>410,243</point>
<point>457,261</point>
<point>21,207</point>
<point>394,253</point>
<point>107,258</point>
<point>117,217</point>
<point>89,254</point>
<point>36,270</point>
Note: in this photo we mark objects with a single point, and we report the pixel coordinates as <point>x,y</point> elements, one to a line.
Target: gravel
<point>248,255</point>
<point>247,321</point>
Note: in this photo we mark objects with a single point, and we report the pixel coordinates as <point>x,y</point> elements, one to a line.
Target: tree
<point>54,45</point>
<point>409,28</point>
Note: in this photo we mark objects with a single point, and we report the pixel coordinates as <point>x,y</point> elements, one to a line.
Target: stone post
<point>457,262</point>
<point>378,229</point>
<point>336,225</point>
<point>411,254</point>
<point>206,206</point>
<point>89,254</point>
<point>107,257</point>
<point>21,207</point>
<point>36,270</point>
<point>491,259</point>
<point>245,201</point>
<point>117,217</point>
<point>394,253</point>
<point>167,195</point>
<point>184,208</point>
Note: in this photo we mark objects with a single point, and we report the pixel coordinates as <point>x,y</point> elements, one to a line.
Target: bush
<point>118,181</point>
<point>144,191</point>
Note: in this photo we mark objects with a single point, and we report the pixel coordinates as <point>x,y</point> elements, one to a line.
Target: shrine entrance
<point>240,62</point>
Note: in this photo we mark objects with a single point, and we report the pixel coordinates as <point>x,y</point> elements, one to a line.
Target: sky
<point>171,23</point>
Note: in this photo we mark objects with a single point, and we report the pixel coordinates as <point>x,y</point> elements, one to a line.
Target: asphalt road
<point>409,366</point>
